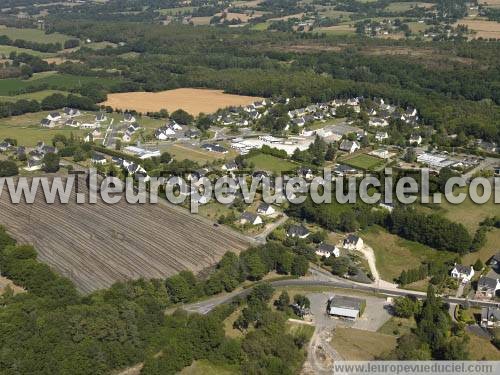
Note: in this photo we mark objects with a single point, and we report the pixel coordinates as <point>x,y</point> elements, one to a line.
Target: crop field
<point>98,244</point>
<point>33,35</point>
<point>193,101</point>
<point>364,161</point>
<point>482,28</point>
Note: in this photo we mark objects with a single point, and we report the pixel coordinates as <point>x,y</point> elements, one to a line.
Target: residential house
<point>100,117</point>
<point>34,164</point>
<point>71,112</point>
<point>265,209</point>
<point>342,170</point>
<point>163,133</point>
<point>326,250</point>
<point>381,136</point>
<point>98,159</point>
<point>378,122</point>
<point>487,287</point>
<point>72,123</point>
<point>345,307</point>
<point>298,231</point>
<point>306,173</point>
<point>494,262</point>
<point>490,317</point>
<point>462,273</point>
<point>5,146</point>
<point>230,166</point>
<point>46,123</point>
<point>214,148</point>
<point>299,121</point>
<point>129,117</point>
<point>54,116</point>
<point>250,218</point>
<point>260,104</point>
<point>415,139</point>
<point>349,146</point>
<point>353,242</point>
<point>192,133</point>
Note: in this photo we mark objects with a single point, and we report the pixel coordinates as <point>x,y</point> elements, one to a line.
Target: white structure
<point>462,273</point>
<point>250,218</point>
<point>265,209</point>
<point>349,146</point>
<point>325,250</point>
<point>381,136</point>
<point>345,307</point>
<point>353,242</point>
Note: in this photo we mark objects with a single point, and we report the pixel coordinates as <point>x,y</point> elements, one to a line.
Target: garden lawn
<point>271,163</point>
<point>365,162</point>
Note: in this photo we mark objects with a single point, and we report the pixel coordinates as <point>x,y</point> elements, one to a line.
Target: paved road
<point>204,307</point>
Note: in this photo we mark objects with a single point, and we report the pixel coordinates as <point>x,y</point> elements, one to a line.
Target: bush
<point>8,168</point>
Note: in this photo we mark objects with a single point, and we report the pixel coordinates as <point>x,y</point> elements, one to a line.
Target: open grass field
<point>38,95</point>
<point>364,161</point>
<point>482,28</point>
<point>54,81</point>
<point>344,29</point>
<point>204,367</point>
<point>98,244</point>
<point>405,6</point>
<point>491,247</point>
<point>394,254</point>
<point>6,50</point>
<point>30,135</point>
<point>359,345</point>
<point>193,101</point>
<point>482,349</point>
<point>271,163</point>
<point>33,35</point>
<point>397,326</point>
<point>186,151</point>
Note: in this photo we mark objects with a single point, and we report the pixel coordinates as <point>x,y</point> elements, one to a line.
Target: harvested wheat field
<point>481,28</point>
<point>193,101</point>
<point>96,245</point>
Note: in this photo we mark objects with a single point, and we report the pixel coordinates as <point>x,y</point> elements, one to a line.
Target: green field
<point>63,82</point>
<point>6,50</point>
<point>30,135</point>
<point>271,163</point>
<point>359,345</point>
<point>39,95</point>
<point>33,35</point>
<point>394,254</point>
<point>204,367</point>
<point>405,6</point>
<point>365,162</point>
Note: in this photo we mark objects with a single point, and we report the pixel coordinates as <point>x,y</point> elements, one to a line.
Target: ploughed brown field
<point>193,101</point>
<point>96,245</point>
<point>482,28</point>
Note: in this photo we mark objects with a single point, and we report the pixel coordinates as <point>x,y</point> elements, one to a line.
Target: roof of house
<point>45,121</point>
<point>495,258</point>
<point>298,230</point>
<point>347,145</point>
<point>490,313</point>
<point>351,239</point>
<point>326,248</point>
<point>249,216</point>
<point>485,282</point>
<point>263,206</point>
<point>100,116</point>
<point>96,156</point>
<point>463,269</point>
<point>231,165</point>
<point>55,114</point>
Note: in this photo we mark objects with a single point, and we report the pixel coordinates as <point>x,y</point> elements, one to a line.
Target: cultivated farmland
<point>193,101</point>
<point>96,245</point>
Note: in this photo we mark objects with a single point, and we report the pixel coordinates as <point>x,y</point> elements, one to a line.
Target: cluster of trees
<point>437,271</point>
<point>435,337</point>
<point>8,168</point>
<point>20,43</point>
<point>432,230</point>
<point>252,264</point>
<point>317,153</point>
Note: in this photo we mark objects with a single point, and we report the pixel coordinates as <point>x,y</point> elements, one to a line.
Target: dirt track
<point>96,245</point>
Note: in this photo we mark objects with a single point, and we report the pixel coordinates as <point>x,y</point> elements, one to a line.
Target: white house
<point>378,122</point>
<point>265,209</point>
<point>34,164</point>
<point>462,273</point>
<point>98,159</point>
<point>250,218</point>
<point>381,136</point>
<point>46,123</point>
<point>487,287</point>
<point>416,139</point>
<point>353,242</point>
<point>54,116</point>
<point>128,117</point>
<point>164,133</point>
<point>326,250</point>
<point>349,146</point>
<point>230,166</point>
<point>71,112</point>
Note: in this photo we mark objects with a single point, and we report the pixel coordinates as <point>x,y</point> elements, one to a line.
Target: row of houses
<point>487,285</point>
